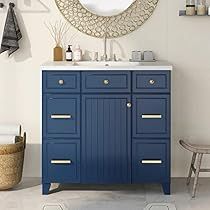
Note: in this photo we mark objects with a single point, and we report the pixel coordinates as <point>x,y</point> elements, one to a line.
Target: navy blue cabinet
<point>61,115</point>
<point>106,127</point>
<point>150,161</point>
<point>151,114</point>
<point>106,82</point>
<point>62,161</point>
<point>106,144</point>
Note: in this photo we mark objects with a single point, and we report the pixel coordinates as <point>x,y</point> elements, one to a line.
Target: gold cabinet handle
<point>106,82</point>
<point>151,82</point>
<point>61,161</point>
<point>60,81</point>
<point>151,116</point>
<point>58,116</point>
<point>129,105</point>
<point>151,161</point>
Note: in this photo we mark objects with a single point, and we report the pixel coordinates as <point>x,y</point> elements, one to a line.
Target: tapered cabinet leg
<point>45,188</point>
<point>166,188</point>
<point>190,171</point>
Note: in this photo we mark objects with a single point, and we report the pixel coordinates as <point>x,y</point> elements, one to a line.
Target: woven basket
<point>11,163</point>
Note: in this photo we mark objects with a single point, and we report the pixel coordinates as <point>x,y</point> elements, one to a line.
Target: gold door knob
<point>152,82</point>
<point>129,105</point>
<point>61,82</point>
<point>106,82</point>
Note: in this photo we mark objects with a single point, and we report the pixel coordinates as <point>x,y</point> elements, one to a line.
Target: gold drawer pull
<point>151,161</point>
<point>61,161</point>
<point>151,116</point>
<point>106,82</point>
<point>151,82</point>
<point>60,81</point>
<point>58,116</point>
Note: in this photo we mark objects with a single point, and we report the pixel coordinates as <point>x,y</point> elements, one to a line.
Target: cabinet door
<point>151,116</point>
<point>106,142</point>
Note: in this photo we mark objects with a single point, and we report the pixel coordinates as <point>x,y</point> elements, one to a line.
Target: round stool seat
<point>203,149</point>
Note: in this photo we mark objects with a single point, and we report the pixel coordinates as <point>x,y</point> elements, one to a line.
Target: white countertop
<point>91,66</point>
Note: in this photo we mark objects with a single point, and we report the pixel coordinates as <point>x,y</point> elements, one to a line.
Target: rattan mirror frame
<point>110,26</point>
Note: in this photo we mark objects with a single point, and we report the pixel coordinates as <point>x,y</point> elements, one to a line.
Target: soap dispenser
<point>77,53</point>
<point>69,54</point>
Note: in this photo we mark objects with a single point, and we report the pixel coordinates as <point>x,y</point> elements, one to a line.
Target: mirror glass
<point>106,7</point>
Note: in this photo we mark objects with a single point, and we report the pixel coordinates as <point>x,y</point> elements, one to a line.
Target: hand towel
<point>10,129</point>
<point>11,34</point>
<point>7,139</point>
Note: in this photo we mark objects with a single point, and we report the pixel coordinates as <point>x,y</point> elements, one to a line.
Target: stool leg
<point>198,166</point>
<point>190,171</point>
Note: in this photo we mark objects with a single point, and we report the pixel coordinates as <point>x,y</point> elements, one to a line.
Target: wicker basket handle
<point>20,130</point>
<point>24,139</point>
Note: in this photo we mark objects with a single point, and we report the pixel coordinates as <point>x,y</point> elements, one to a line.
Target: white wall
<point>184,41</point>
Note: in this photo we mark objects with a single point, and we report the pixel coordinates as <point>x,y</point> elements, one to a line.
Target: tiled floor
<point>27,196</point>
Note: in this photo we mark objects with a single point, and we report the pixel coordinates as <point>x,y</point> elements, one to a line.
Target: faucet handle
<point>114,57</point>
<point>104,58</point>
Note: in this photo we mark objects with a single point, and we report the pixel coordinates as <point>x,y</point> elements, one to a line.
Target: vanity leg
<point>166,188</point>
<point>45,188</point>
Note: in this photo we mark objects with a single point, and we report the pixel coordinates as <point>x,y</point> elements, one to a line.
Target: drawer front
<point>62,162</point>
<point>151,82</point>
<point>150,161</point>
<point>151,114</point>
<point>61,82</point>
<point>61,115</point>
<point>106,82</point>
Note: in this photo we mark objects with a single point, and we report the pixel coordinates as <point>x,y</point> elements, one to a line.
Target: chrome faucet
<point>104,57</point>
<point>105,48</point>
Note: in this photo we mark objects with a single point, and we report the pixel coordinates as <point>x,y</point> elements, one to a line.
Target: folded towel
<point>10,129</point>
<point>7,139</point>
<point>11,34</point>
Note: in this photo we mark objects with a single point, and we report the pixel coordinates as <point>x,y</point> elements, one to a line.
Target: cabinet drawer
<point>62,162</point>
<point>150,162</point>
<point>61,82</point>
<point>151,81</point>
<point>61,115</point>
<point>106,82</point>
<point>151,114</point>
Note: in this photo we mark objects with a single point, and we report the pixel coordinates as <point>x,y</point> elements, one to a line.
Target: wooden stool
<point>198,151</point>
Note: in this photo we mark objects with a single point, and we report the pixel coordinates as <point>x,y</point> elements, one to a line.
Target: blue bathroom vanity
<point>105,123</point>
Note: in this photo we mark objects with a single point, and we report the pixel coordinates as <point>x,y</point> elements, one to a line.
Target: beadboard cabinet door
<point>106,134</point>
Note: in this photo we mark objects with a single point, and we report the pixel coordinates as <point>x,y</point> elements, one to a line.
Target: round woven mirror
<point>99,18</point>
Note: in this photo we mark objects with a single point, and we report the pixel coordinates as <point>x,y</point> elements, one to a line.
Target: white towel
<point>7,139</point>
<point>10,129</point>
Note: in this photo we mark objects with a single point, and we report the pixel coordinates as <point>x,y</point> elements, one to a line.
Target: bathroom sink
<point>108,63</point>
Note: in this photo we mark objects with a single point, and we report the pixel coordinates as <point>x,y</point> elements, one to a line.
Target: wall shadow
<point>24,52</point>
<point>122,52</point>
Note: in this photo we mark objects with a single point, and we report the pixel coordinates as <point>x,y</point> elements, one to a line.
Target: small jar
<point>201,7</point>
<point>190,7</point>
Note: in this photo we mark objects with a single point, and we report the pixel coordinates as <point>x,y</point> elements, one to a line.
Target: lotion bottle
<point>69,54</point>
<point>77,53</point>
